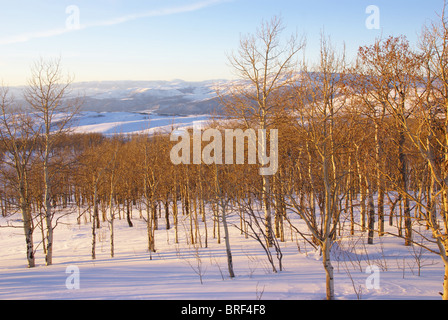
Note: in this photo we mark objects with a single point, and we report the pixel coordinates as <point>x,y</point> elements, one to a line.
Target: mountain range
<point>171,98</point>
<point>174,98</point>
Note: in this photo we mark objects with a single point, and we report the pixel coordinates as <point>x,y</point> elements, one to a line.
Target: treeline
<point>101,173</point>
<point>361,146</point>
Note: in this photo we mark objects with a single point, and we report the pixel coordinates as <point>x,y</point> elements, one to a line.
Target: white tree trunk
<point>371,213</point>
<point>445,261</point>
<point>445,284</point>
<point>94,218</point>
<point>227,241</point>
<point>326,246</point>
<point>220,202</point>
<point>27,227</point>
<point>267,211</point>
<point>48,213</point>
<point>111,217</point>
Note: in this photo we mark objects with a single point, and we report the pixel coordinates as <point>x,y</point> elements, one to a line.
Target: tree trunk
<point>128,214</point>
<point>149,228</point>
<point>227,240</point>
<point>380,188</point>
<point>326,246</point>
<point>175,215</point>
<point>326,232</point>
<point>362,191</point>
<point>220,203</point>
<point>202,212</point>
<point>349,204</point>
<point>404,182</point>
<point>443,245</point>
<point>445,283</point>
<point>167,213</point>
<point>371,214</point>
<point>48,213</point>
<point>267,211</point>
<point>94,219</point>
<point>111,217</point>
<point>28,230</point>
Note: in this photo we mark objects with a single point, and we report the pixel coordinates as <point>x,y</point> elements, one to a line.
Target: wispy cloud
<point>25,37</point>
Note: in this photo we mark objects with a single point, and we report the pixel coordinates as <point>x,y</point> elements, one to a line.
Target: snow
<point>131,89</point>
<point>110,123</point>
<point>172,273</point>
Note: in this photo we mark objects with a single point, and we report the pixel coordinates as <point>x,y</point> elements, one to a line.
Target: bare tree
<point>364,90</point>
<point>266,66</point>
<point>391,66</point>
<point>222,203</point>
<point>319,100</point>
<point>47,94</point>
<point>18,139</point>
<point>431,136</point>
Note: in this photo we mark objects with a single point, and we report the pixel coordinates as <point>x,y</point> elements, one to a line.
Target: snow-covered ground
<point>110,123</point>
<point>173,273</point>
<point>385,270</point>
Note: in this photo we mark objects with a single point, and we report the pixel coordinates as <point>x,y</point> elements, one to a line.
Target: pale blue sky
<point>180,39</point>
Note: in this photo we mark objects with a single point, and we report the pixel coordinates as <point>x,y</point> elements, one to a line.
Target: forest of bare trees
<point>362,148</point>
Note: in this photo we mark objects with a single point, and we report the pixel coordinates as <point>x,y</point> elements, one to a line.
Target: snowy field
<point>186,272</point>
<point>110,123</point>
<point>386,270</point>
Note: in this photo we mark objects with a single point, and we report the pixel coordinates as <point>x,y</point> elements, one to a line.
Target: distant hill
<point>173,98</point>
<point>170,98</point>
<point>163,97</point>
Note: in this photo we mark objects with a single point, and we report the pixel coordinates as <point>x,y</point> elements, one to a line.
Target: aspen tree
<point>19,140</point>
<point>431,136</point>
<point>392,66</point>
<point>222,204</point>
<point>46,94</point>
<point>265,66</point>
<point>317,107</point>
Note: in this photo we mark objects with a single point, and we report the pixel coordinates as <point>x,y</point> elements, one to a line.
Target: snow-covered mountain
<point>173,98</point>
<point>176,97</point>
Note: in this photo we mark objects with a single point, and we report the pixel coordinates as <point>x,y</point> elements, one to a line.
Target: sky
<point>103,40</point>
